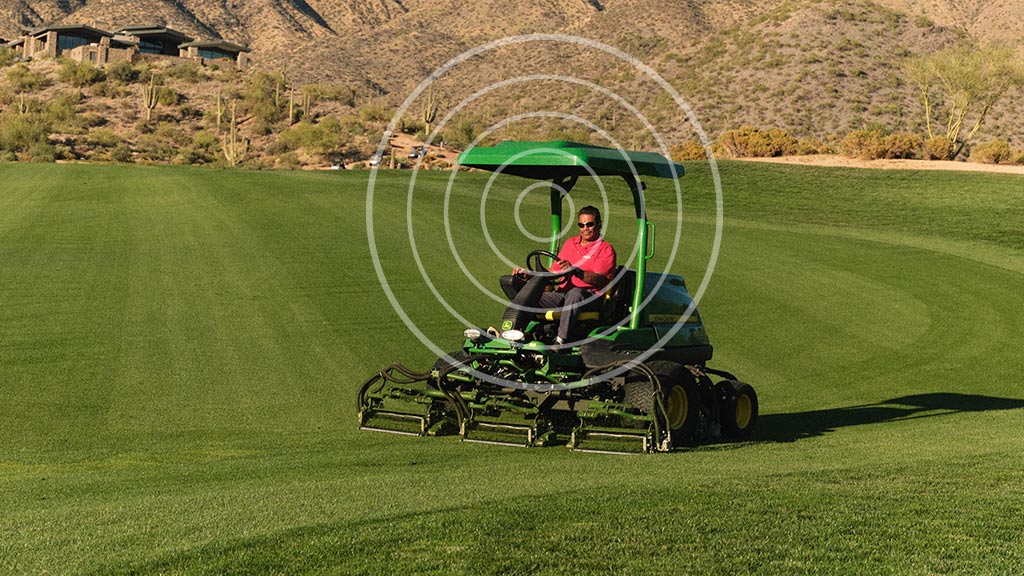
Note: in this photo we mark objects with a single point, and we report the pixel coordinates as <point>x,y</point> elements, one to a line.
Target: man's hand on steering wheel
<point>536,267</point>
<point>566,265</point>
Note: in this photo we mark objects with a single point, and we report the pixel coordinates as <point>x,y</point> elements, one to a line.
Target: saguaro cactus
<point>150,97</point>
<point>234,147</point>
<point>428,112</point>
<point>291,106</point>
<point>308,96</point>
<point>219,108</point>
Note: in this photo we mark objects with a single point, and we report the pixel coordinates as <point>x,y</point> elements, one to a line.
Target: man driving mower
<point>592,261</point>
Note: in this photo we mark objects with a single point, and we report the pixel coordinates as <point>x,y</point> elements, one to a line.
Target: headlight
<point>472,334</point>
<point>513,335</point>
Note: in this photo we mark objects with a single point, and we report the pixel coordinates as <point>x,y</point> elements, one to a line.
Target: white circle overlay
<point>553,38</point>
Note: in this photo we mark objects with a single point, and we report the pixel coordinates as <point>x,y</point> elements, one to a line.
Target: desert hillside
<point>814,69</point>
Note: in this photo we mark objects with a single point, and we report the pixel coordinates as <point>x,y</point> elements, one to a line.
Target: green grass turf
<point>180,348</point>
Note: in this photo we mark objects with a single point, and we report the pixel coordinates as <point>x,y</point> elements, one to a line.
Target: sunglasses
<point>586,224</point>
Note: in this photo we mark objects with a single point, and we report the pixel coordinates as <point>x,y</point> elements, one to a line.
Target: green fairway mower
<point>634,380</point>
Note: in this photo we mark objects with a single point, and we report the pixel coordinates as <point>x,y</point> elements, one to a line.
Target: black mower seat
<point>614,306</point>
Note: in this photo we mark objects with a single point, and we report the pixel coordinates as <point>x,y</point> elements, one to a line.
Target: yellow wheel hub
<point>744,411</point>
<point>678,407</point>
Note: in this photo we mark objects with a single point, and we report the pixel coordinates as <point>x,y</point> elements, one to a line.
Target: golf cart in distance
<point>635,379</point>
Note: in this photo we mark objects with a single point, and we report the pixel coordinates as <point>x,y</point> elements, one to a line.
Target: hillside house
<point>216,50</point>
<point>54,41</point>
<point>158,40</point>
<point>128,44</point>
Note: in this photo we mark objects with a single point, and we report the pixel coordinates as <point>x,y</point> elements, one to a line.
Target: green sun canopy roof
<point>562,159</point>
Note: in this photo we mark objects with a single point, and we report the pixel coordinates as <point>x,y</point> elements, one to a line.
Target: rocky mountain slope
<point>815,68</point>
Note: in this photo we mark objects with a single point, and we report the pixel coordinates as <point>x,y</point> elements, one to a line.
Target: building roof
<point>35,31</point>
<point>123,40</point>
<point>154,30</point>
<point>218,45</point>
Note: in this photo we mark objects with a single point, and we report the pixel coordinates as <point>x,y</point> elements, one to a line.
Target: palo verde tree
<point>959,86</point>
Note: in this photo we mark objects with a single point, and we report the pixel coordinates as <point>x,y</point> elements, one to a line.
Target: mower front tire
<point>682,399</point>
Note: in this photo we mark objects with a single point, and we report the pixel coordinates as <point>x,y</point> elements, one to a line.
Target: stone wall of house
<point>147,57</point>
<point>101,54</point>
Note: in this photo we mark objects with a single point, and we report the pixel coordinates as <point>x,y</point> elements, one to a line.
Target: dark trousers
<point>571,302</point>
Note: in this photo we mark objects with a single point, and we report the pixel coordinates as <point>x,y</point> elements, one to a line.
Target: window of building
<point>212,54</point>
<point>67,42</point>
<point>150,47</point>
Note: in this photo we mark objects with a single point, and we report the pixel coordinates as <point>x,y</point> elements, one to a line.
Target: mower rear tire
<point>739,409</point>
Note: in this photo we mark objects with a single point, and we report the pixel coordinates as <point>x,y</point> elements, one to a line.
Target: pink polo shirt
<point>598,257</point>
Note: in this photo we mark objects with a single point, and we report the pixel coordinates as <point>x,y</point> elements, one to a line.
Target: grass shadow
<point>799,425</point>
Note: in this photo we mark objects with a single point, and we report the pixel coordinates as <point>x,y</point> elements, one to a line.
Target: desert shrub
<point>372,113</point>
<point>410,126</point>
<point>901,145</point>
<point>204,149</point>
<point>64,151</point>
<point>872,144</point>
<point>122,152</point>
<point>170,97</point>
<point>92,119</point>
<point>24,79</point>
<point>332,92</point>
<point>188,72</point>
<point>277,147</point>
<point>170,132</point>
<point>288,161</point>
<point>124,72</point>
<point>860,144</point>
<point>323,138</point>
<point>25,104</point>
<point>155,148</point>
<point>108,89</point>
<point>103,138</point>
<point>188,111</point>
<point>64,105</point>
<point>937,148</point>
<point>80,75</point>
<point>39,152</point>
<point>261,97</point>
<point>750,142</point>
<point>61,112</point>
<point>689,150</point>
<point>22,132</point>
<point>351,125</point>
<point>461,133</point>
<point>994,152</point>
<point>809,145</point>
<point>8,56</point>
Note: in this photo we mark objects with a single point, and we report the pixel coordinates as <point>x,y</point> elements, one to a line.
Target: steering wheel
<point>534,264</point>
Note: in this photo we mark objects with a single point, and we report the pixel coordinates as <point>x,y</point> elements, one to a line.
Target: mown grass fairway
<point>180,348</point>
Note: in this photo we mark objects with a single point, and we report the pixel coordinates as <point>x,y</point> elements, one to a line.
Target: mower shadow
<point>799,425</point>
